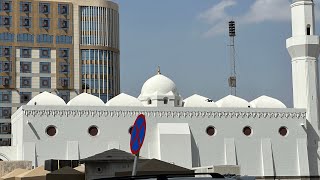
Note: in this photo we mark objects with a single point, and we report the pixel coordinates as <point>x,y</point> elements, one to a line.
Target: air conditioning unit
<point>6,52</point>
<point>5,97</point>
<point>64,68</point>
<point>64,53</point>
<point>25,8</point>
<point>6,66</point>
<point>64,9</point>
<point>4,128</point>
<point>64,82</point>
<point>6,81</point>
<point>45,23</point>
<point>45,9</point>
<point>64,24</point>
<point>26,22</point>
<point>6,6</point>
<point>6,21</point>
<point>6,113</point>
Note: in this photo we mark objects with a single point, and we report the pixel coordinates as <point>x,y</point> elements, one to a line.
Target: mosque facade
<point>263,137</point>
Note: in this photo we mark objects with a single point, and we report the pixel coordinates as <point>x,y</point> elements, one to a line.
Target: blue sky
<point>188,39</point>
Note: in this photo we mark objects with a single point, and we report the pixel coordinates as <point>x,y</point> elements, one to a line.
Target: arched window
<point>308,29</point>
<point>149,101</point>
<point>165,100</point>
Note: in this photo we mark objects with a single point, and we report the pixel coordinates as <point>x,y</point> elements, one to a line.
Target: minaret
<point>304,50</point>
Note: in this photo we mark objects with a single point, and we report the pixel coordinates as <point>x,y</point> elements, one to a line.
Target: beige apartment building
<point>65,47</point>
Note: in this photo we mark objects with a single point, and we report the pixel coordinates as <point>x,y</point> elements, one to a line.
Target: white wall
<point>73,122</point>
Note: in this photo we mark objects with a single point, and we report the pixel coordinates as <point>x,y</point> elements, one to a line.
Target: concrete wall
<point>265,152</point>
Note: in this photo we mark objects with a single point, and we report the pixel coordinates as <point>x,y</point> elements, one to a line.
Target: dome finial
<point>158,70</point>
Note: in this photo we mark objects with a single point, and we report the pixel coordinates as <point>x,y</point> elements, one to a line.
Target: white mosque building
<point>263,137</point>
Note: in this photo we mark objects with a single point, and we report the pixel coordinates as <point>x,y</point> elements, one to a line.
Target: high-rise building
<point>65,47</point>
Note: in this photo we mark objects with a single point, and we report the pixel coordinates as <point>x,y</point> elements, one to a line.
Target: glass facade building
<point>100,51</point>
<point>64,47</point>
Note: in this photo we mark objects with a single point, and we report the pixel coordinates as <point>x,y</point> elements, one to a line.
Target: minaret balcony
<point>303,46</point>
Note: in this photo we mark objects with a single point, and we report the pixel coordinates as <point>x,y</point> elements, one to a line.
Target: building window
<point>25,97</point>
<point>45,67</point>
<point>64,82</point>
<point>6,37</point>
<point>6,6</point>
<point>5,142</point>
<point>247,130</point>
<point>5,66</point>
<point>64,68</point>
<point>5,96</point>
<point>149,101</point>
<point>5,51</point>
<point>63,9</point>
<point>45,82</point>
<point>64,39</point>
<point>93,130</point>
<point>44,23</point>
<point>25,82</point>
<point>308,29</point>
<point>25,67</point>
<point>165,100</point>
<point>45,52</point>
<point>51,130</point>
<point>64,52</point>
<point>44,8</point>
<point>25,38</point>
<point>25,7</point>
<point>44,38</point>
<point>5,80</point>
<point>211,130</point>
<point>283,131</point>
<point>25,22</point>
<point>5,112</point>
<point>25,52</point>
<point>63,24</point>
<point>5,21</point>
<point>5,128</point>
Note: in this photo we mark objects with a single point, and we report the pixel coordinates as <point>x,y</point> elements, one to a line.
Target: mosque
<point>263,137</point>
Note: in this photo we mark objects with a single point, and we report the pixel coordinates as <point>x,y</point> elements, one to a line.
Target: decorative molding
<point>167,114</point>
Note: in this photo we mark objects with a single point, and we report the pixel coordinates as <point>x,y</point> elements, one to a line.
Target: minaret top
<point>158,70</point>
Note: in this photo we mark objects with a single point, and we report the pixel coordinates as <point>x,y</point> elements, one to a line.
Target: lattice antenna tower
<point>232,80</point>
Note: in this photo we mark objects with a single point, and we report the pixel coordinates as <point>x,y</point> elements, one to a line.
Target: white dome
<point>266,102</point>
<point>85,99</point>
<point>124,100</point>
<point>232,101</point>
<point>158,84</point>
<point>198,101</point>
<point>46,98</point>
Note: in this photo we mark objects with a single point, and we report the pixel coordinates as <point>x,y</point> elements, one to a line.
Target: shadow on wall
<point>195,152</point>
<point>313,156</point>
